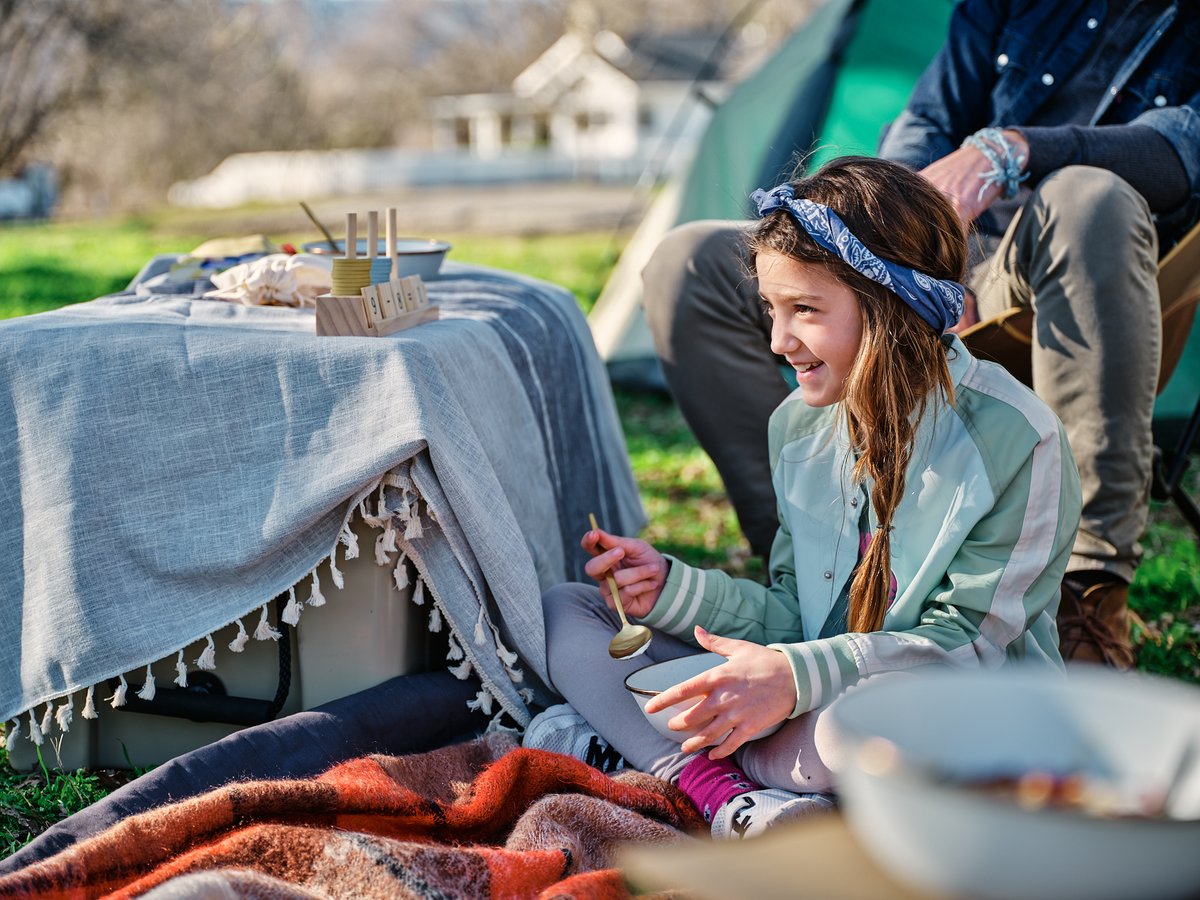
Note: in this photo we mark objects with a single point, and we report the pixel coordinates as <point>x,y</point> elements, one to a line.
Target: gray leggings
<point>800,757</point>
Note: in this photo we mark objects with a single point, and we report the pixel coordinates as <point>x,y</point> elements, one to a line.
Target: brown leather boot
<point>1093,624</point>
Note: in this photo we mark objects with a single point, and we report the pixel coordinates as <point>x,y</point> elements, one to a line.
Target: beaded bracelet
<point>1006,171</point>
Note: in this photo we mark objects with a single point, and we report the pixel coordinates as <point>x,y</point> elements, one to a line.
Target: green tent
<point>828,91</point>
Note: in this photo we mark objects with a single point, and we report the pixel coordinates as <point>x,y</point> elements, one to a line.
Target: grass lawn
<point>46,266</point>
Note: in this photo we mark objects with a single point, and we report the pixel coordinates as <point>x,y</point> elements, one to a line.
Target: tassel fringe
<point>147,691</point>
<point>64,715</point>
<point>265,631</point>
<point>238,644</point>
<point>315,597</point>
<point>89,704</point>
<point>208,657</point>
<point>350,540</point>
<point>180,671</point>
<point>291,612</point>
<point>481,703</point>
<point>400,573</point>
<point>117,700</point>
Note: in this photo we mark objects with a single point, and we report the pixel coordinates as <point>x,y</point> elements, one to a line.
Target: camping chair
<point>1008,337</point>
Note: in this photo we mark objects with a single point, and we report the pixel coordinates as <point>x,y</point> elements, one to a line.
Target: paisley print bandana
<point>938,301</point>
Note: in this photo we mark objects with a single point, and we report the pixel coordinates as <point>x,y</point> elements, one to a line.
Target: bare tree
<point>44,48</point>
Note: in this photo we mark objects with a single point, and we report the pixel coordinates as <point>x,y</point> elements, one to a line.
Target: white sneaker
<point>562,730</point>
<point>753,812</point>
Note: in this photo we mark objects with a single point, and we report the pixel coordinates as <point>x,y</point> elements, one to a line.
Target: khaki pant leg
<point>1084,253</point>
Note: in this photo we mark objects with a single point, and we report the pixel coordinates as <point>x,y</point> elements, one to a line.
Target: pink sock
<point>710,784</point>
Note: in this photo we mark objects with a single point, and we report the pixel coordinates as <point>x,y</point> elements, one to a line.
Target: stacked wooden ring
<point>350,276</point>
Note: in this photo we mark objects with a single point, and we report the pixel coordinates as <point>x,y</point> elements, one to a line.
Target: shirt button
<point>1092,23</point>
<point>1047,79</point>
<point>1113,90</point>
<point>827,575</point>
<point>1002,60</point>
<point>854,501</point>
<point>1160,100</point>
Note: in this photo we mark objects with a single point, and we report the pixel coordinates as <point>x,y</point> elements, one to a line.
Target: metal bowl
<point>926,753</point>
<point>414,256</point>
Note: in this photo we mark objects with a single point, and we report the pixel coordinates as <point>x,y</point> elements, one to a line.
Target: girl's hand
<point>754,689</point>
<point>639,570</point>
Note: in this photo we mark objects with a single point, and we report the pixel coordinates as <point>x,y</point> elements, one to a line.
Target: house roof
<point>663,56</point>
<point>644,57</point>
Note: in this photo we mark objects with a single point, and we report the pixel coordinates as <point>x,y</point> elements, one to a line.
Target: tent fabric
<point>789,89</point>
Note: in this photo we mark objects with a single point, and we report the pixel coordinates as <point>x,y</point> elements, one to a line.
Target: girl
<point>927,507</point>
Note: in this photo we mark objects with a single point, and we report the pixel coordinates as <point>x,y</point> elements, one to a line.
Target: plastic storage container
<point>365,634</point>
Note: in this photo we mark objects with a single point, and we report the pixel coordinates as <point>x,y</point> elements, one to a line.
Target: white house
<point>609,106</point>
<point>592,108</point>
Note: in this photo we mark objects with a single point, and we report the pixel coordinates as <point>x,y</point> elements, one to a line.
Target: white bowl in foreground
<point>932,756</point>
<point>651,680</point>
<point>414,256</point>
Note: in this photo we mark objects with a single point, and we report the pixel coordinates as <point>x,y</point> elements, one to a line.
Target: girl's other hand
<point>639,570</point>
<point>752,690</point>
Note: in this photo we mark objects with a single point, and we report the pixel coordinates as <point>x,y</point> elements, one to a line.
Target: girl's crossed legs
<point>800,757</point>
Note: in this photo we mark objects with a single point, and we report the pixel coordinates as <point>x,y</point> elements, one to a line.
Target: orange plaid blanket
<point>480,819</point>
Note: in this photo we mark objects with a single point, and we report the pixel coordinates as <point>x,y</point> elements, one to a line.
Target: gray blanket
<point>170,464</point>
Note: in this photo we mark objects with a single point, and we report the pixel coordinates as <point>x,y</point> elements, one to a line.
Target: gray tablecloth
<point>169,464</point>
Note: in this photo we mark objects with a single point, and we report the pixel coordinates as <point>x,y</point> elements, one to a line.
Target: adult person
<point>1068,135</point>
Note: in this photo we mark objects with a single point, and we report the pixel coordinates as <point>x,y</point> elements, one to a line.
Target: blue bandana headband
<point>937,301</point>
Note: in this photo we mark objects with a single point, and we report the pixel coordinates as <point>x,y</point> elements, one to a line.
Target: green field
<point>46,266</point>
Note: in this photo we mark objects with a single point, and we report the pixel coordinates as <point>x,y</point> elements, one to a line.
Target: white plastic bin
<point>365,634</point>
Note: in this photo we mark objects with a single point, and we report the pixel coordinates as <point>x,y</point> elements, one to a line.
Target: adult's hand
<point>639,570</point>
<point>752,690</point>
<point>959,176</point>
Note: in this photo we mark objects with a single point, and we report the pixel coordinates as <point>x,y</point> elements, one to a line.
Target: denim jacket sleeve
<point>987,73</point>
<point>953,97</point>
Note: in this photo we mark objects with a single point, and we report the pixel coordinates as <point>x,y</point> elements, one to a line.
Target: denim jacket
<point>1003,58</point>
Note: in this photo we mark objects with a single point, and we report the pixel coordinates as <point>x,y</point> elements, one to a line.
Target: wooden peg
<point>351,236</point>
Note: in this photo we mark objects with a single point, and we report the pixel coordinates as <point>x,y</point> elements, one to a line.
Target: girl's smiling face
<point>816,324</point>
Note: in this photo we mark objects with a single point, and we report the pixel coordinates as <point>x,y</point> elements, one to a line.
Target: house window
<point>462,131</point>
<point>591,120</point>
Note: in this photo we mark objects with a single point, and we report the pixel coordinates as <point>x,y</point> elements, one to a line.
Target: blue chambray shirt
<point>1003,58</point>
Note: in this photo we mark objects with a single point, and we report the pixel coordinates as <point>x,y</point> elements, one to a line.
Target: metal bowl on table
<point>414,256</point>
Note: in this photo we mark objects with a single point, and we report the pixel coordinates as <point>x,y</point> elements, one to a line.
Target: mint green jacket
<point>979,543</point>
